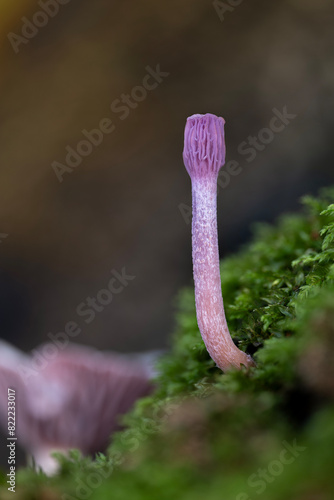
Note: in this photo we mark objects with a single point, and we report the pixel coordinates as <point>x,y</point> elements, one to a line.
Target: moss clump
<point>267,433</point>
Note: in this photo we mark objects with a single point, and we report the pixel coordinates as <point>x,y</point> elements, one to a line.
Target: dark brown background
<point>120,206</point>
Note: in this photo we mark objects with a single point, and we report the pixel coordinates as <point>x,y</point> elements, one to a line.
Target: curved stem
<point>208,296</point>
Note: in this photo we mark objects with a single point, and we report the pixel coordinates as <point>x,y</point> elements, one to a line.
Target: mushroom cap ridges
<point>204,145</point>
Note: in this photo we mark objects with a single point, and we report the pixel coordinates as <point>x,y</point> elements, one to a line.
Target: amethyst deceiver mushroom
<point>75,401</point>
<point>203,156</point>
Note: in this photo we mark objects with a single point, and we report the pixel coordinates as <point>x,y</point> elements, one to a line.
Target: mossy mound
<point>267,433</point>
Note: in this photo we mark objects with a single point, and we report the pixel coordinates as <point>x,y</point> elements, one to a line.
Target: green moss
<point>213,435</point>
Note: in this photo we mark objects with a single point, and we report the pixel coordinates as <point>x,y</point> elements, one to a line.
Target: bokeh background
<point>121,206</point>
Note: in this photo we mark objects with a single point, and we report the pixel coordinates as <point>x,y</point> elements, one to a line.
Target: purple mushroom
<point>203,156</point>
<point>75,401</point>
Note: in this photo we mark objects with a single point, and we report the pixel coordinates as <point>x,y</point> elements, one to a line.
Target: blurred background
<point>125,204</point>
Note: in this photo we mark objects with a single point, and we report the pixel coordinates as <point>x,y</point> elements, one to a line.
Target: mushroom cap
<point>204,145</point>
<point>74,400</point>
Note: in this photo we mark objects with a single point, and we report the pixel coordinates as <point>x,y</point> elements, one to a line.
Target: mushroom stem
<point>204,154</point>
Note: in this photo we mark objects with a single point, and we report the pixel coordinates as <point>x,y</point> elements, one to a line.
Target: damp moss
<point>266,433</point>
